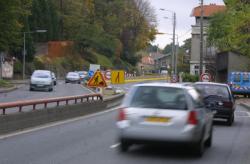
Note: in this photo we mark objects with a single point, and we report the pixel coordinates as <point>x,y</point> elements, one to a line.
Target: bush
<point>190,78</point>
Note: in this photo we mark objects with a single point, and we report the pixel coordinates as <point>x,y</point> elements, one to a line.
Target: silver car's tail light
<point>121,114</point>
<point>192,118</point>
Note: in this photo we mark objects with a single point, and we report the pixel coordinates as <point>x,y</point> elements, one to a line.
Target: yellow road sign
<point>97,80</point>
<point>117,77</point>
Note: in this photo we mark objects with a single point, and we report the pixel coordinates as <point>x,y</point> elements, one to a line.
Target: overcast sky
<point>183,9</point>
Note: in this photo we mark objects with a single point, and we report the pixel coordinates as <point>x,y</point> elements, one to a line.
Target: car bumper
<point>223,113</point>
<point>190,134</point>
<point>72,81</point>
<point>40,86</point>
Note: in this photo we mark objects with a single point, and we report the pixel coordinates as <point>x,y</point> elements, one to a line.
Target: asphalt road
<point>60,90</point>
<point>93,141</point>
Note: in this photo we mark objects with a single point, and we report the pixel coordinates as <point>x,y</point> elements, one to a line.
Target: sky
<point>183,9</point>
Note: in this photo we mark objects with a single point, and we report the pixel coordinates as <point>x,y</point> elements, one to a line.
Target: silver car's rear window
<point>209,89</point>
<point>159,97</point>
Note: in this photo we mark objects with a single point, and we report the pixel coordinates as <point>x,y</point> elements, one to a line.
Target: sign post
<point>117,77</point>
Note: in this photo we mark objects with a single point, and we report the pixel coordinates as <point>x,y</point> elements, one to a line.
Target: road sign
<point>117,77</point>
<point>108,75</point>
<point>174,78</point>
<point>205,77</point>
<point>97,80</point>
<point>91,73</point>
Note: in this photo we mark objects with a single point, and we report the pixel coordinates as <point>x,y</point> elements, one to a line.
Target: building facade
<point>209,52</point>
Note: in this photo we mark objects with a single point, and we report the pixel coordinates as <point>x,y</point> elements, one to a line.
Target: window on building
<point>196,67</point>
<point>196,72</point>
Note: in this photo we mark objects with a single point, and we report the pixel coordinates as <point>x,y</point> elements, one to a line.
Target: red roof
<point>209,10</point>
<point>147,60</point>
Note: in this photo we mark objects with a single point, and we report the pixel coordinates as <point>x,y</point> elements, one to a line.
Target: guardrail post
<point>87,99</point>
<point>34,106</point>
<point>20,108</point>
<point>45,105</point>
<point>3,111</point>
<point>75,100</point>
<point>67,102</point>
<point>57,103</point>
<point>81,99</point>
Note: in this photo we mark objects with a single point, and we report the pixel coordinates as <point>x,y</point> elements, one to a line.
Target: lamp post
<point>24,46</point>
<point>173,45</point>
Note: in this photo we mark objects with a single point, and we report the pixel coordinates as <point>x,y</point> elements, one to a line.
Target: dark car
<point>218,97</point>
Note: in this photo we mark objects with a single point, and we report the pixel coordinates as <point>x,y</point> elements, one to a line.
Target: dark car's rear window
<point>159,97</point>
<point>216,90</point>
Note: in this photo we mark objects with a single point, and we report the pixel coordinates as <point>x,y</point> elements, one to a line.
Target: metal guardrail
<point>34,103</point>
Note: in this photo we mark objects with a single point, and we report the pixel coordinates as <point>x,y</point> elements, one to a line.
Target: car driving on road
<point>158,112</point>
<point>73,77</point>
<point>41,80</point>
<point>218,97</point>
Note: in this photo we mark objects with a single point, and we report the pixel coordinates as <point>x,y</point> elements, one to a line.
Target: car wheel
<point>31,89</point>
<point>208,142</point>
<point>124,146</point>
<point>230,120</point>
<point>55,83</point>
<point>199,147</point>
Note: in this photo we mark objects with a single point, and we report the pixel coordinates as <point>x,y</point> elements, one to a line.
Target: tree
<point>230,30</point>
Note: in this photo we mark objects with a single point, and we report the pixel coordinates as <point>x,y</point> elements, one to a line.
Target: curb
<point>244,105</point>
<point>8,89</point>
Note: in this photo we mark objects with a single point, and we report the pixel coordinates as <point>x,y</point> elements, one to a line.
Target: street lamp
<point>24,46</point>
<point>174,65</point>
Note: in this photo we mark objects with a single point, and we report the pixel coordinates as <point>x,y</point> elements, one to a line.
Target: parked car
<point>218,97</point>
<point>163,112</point>
<point>73,77</point>
<point>41,80</point>
<point>54,78</point>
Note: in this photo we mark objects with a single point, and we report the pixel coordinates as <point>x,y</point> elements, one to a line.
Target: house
<point>161,61</point>
<point>146,65</point>
<point>209,53</point>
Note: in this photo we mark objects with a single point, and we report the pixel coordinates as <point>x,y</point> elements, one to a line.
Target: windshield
<point>159,97</point>
<point>73,74</point>
<point>41,75</point>
<point>216,90</point>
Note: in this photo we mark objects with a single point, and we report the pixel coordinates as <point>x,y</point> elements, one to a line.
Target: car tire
<point>230,120</point>
<point>124,146</point>
<point>55,83</point>
<point>199,147</point>
<point>31,89</point>
<point>208,142</point>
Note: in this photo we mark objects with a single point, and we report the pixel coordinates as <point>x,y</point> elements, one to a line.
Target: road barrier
<point>34,103</point>
<point>23,120</point>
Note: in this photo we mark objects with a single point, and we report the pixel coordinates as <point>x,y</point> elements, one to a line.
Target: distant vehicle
<point>239,83</point>
<point>41,80</point>
<point>83,74</point>
<point>162,112</point>
<point>85,80</point>
<point>219,99</point>
<point>73,77</point>
<point>54,78</point>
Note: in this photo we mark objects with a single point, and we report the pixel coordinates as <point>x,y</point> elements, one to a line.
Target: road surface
<point>92,140</point>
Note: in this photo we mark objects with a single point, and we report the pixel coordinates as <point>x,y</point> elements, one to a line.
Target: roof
<point>209,10</point>
<point>211,83</point>
<point>147,60</point>
<point>164,84</point>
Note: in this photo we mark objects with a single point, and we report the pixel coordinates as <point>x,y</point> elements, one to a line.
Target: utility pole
<point>24,54</point>
<point>176,55</point>
<point>173,45</point>
<point>201,39</point>
<point>1,65</point>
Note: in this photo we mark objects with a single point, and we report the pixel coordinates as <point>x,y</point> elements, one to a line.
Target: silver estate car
<point>162,112</point>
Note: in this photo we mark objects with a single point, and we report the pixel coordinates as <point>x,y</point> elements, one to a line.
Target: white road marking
<point>49,125</point>
<point>91,91</point>
<point>114,146</point>
<point>242,114</point>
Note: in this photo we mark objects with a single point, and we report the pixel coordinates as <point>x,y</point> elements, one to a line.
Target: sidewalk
<point>245,102</point>
<point>17,84</point>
